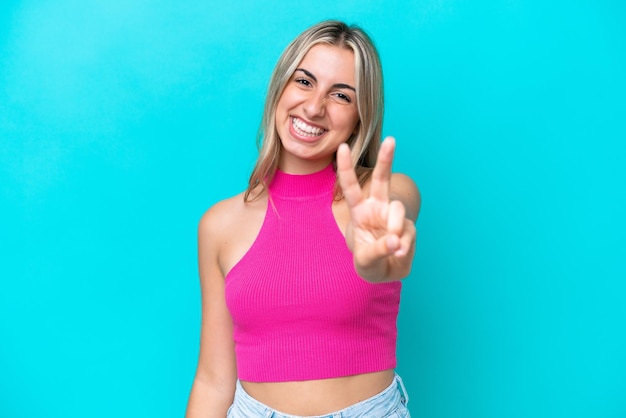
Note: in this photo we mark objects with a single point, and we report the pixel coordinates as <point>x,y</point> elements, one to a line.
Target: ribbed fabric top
<point>299,309</point>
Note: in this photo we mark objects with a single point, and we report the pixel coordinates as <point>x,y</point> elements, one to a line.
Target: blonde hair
<point>365,142</point>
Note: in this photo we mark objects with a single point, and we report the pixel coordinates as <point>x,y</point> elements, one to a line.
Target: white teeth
<point>304,129</point>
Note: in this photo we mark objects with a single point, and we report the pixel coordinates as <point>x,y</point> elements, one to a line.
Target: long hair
<point>365,142</point>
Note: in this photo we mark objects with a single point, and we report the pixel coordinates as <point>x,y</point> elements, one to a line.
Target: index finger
<point>381,176</point>
<point>347,177</point>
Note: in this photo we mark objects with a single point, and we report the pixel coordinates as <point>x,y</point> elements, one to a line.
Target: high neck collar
<point>303,185</point>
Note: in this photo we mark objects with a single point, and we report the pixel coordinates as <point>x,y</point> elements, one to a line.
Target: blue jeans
<point>390,403</point>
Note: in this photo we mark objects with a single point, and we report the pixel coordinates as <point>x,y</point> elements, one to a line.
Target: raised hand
<point>379,234</point>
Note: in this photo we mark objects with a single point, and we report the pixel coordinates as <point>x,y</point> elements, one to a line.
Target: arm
<point>214,384</point>
<point>381,232</point>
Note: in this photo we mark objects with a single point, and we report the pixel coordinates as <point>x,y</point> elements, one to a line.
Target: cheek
<point>345,119</point>
<point>353,122</point>
<point>288,98</point>
<point>280,106</point>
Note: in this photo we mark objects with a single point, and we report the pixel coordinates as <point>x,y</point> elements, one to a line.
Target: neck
<point>287,165</point>
<point>290,185</point>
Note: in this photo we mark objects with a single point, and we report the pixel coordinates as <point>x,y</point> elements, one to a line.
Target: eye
<point>303,81</point>
<point>342,97</point>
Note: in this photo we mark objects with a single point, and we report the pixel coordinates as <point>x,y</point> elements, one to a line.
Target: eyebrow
<point>336,85</point>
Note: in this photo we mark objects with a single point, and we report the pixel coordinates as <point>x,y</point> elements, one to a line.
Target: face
<point>317,110</point>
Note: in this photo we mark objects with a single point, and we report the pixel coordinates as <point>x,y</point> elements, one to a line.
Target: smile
<point>305,129</point>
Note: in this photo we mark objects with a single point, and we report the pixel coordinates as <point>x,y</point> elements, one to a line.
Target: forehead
<point>330,62</point>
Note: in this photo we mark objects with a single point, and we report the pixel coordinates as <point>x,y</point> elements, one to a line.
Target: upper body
<point>318,118</point>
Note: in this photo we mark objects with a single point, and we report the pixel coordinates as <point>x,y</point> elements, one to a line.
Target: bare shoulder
<point>219,216</point>
<point>404,189</point>
<point>229,227</point>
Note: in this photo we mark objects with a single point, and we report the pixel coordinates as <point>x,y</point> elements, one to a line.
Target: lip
<point>308,139</point>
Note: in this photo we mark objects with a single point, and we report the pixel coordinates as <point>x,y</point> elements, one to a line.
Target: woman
<point>299,275</point>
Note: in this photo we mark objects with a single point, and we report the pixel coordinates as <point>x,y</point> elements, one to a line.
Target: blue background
<point>122,121</point>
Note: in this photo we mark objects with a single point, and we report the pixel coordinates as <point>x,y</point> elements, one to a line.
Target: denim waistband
<point>379,405</point>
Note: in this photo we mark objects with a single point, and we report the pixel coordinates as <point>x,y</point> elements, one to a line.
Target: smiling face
<point>317,110</point>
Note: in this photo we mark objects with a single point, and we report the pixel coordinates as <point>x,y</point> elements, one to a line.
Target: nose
<point>315,105</point>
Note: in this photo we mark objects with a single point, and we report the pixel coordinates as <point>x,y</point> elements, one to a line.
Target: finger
<point>381,176</point>
<point>393,244</point>
<point>395,218</point>
<point>347,177</point>
<point>384,246</point>
<point>407,240</point>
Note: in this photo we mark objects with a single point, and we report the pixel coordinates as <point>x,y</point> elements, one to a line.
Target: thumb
<point>369,254</point>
